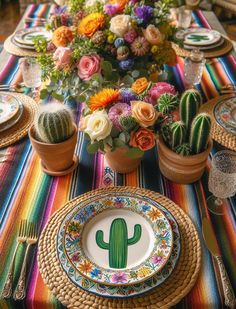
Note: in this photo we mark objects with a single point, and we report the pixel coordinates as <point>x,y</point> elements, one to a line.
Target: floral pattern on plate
<point>225,114</point>
<point>9,107</point>
<point>103,262</point>
<point>128,290</point>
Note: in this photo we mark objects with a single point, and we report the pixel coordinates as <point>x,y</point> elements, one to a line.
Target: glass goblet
<point>184,17</point>
<point>222,180</point>
<point>31,73</point>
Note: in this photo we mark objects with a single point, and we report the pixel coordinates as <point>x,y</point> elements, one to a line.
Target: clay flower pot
<point>57,159</point>
<point>119,162</point>
<point>181,169</point>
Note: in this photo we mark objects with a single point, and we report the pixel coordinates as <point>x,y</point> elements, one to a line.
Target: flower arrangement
<point>104,43</point>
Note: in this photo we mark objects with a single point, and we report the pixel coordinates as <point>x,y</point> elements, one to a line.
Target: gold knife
<point>211,243</point>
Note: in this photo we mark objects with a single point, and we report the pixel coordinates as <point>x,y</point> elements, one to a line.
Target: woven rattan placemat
<point>220,135</point>
<point>13,49</point>
<point>20,129</point>
<point>167,294</point>
<point>215,52</point>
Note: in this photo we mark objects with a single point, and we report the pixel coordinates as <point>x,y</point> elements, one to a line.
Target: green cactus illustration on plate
<point>118,242</point>
<point>198,37</point>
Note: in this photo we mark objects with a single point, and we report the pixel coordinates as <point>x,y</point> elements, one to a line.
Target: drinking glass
<point>184,18</point>
<point>31,73</point>
<point>222,180</point>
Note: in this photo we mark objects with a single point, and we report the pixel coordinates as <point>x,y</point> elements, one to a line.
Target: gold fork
<point>7,289</point>
<point>31,240</point>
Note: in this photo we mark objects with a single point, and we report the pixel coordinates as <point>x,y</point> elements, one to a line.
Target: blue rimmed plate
<point>225,114</point>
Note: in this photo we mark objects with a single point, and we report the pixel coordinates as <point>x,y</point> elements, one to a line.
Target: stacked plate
<point>118,244</point>
<point>11,110</point>
<point>202,38</point>
<point>225,114</point>
<point>24,38</point>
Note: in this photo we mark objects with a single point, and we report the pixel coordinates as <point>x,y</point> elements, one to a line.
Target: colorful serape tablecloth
<point>27,193</point>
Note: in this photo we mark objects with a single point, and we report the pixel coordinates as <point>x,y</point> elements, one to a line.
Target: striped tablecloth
<point>27,193</point>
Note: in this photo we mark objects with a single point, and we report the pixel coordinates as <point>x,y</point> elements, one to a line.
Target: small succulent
<point>167,103</point>
<point>127,123</point>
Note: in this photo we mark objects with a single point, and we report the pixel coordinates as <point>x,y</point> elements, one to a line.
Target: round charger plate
<point>225,114</point>
<point>7,125</point>
<point>134,289</point>
<point>26,36</point>
<point>169,293</point>
<point>9,107</point>
<point>198,36</point>
<point>115,240</point>
<point>206,47</point>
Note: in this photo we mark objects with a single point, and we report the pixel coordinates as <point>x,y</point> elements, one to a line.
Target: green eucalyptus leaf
<point>44,94</point>
<point>134,152</point>
<point>57,96</point>
<point>119,143</point>
<point>93,148</point>
<point>114,132</point>
<point>124,136</point>
<point>108,140</point>
<point>82,98</point>
<point>128,80</point>
<point>86,111</point>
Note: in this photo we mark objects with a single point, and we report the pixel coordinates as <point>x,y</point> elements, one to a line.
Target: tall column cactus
<point>178,133</point>
<point>190,103</point>
<point>200,132</point>
<point>118,242</point>
<point>53,123</point>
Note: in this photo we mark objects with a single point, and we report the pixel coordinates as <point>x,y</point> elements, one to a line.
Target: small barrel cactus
<point>118,242</point>
<point>190,103</point>
<point>183,150</point>
<point>200,132</point>
<point>167,103</point>
<point>166,134</point>
<point>178,133</point>
<point>53,123</point>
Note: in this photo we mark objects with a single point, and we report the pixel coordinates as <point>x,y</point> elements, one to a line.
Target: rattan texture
<point>12,49</point>
<point>167,294</point>
<point>20,129</point>
<point>219,134</point>
<point>215,52</point>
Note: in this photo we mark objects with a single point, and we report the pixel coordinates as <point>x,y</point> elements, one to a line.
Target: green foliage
<point>167,103</point>
<point>40,44</point>
<point>75,5</point>
<point>200,132</point>
<point>162,10</point>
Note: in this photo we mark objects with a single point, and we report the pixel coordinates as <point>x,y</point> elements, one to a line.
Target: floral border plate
<point>14,120</point>
<point>198,36</point>
<point>115,240</point>
<point>9,107</point>
<point>209,47</point>
<point>135,289</point>
<point>26,36</point>
<point>225,114</point>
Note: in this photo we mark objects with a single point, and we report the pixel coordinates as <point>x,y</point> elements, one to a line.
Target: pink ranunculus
<point>157,90</point>
<point>89,65</point>
<point>62,57</point>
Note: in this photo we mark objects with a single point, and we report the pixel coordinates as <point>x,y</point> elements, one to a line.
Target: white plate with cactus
<point>27,36</point>
<point>198,36</point>
<point>225,114</point>
<point>115,240</point>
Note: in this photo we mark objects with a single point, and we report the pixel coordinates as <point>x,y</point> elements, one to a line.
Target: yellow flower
<point>154,49</point>
<point>91,23</point>
<point>85,267</point>
<point>154,214</point>
<point>110,39</point>
<point>140,85</point>
<point>143,272</point>
<point>103,98</point>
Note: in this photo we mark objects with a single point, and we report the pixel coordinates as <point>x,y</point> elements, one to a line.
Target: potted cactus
<point>184,145</point>
<point>53,136</point>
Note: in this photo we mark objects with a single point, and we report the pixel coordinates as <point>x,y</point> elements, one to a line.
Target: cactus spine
<point>118,242</point>
<point>167,103</point>
<point>54,123</point>
<point>190,103</point>
<point>200,132</point>
<point>183,150</point>
<point>178,133</point>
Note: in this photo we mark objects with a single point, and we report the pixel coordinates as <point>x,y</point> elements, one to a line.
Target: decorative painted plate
<point>134,289</point>
<point>198,36</point>
<point>209,47</point>
<point>7,125</point>
<point>26,36</point>
<point>9,106</point>
<point>115,240</point>
<point>225,114</point>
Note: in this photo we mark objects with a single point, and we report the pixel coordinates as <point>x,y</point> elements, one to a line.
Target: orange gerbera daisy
<point>91,23</point>
<point>103,98</point>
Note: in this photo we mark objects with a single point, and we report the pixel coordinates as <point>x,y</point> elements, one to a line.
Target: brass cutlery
<point>21,238</point>
<point>32,238</point>
<point>227,89</point>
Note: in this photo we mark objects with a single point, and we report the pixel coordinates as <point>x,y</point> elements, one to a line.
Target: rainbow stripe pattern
<point>27,193</point>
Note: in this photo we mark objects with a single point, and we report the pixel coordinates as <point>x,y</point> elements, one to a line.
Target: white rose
<point>98,126</point>
<point>92,2</point>
<point>119,24</point>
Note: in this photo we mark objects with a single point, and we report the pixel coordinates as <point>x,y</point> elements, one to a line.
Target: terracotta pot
<point>55,157</point>
<point>119,162</point>
<point>181,169</point>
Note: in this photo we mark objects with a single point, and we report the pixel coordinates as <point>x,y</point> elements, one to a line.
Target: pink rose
<point>89,65</point>
<point>157,90</point>
<point>62,57</point>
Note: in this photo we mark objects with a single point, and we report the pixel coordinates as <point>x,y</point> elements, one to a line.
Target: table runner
<point>27,193</point>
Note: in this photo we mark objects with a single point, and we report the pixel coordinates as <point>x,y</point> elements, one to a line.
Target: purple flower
<point>130,36</point>
<point>59,10</point>
<point>126,64</point>
<point>119,278</point>
<point>127,95</point>
<point>144,13</point>
<point>111,9</point>
<point>156,259</point>
<point>117,111</point>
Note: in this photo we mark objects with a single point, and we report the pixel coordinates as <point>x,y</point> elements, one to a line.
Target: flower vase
<point>119,162</point>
